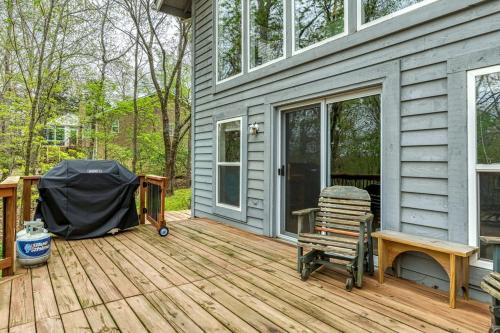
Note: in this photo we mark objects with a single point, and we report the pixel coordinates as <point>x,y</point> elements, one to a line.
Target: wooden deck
<point>209,277</point>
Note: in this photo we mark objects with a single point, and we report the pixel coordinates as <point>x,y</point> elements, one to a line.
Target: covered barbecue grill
<point>85,198</point>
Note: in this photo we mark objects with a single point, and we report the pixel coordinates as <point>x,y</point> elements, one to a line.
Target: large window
<point>229,163</point>
<point>484,156</point>
<point>372,11</point>
<point>266,31</point>
<point>262,26</point>
<point>316,21</point>
<point>229,38</point>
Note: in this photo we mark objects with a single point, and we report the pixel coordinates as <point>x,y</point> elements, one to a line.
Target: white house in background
<point>63,131</point>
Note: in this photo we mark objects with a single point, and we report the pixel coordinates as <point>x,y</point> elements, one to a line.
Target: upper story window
<point>373,11</point>
<point>317,21</point>
<point>267,37</point>
<point>266,31</point>
<point>229,38</point>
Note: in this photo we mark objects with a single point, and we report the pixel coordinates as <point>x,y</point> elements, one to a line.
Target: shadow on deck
<point>210,277</point>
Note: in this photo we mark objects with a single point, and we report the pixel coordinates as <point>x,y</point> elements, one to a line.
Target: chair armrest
<point>489,240</point>
<point>306,211</point>
<point>306,219</point>
<point>368,219</point>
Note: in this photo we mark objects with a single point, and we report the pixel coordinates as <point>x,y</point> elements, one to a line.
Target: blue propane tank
<point>33,244</point>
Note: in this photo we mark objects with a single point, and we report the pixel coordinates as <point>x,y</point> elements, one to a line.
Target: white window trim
<point>473,167</point>
<point>217,81</point>
<point>217,163</point>
<point>361,26</point>
<point>252,69</point>
<point>324,41</point>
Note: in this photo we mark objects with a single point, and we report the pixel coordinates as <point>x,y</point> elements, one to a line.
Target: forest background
<point>96,79</point>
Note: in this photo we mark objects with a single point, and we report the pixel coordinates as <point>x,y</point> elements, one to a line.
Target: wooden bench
<point>453,257</point>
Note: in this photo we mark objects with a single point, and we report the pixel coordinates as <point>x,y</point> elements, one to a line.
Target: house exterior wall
<point>419,59</point>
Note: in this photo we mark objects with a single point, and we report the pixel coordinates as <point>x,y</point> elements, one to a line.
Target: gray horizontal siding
<point>423,52</point>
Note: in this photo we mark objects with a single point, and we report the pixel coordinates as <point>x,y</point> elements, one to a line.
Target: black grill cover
<point>86,198</point>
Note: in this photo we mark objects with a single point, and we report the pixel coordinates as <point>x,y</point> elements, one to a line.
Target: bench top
<point>434,244</point>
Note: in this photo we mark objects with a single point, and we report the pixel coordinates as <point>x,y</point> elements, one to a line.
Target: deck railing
<point>360,181</point>
<point>8,193</point>
<point>152,200</point>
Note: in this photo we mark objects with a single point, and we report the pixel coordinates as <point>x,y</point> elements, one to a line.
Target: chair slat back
<point>341,210</point>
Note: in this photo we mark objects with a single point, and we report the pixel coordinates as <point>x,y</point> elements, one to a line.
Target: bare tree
<point>36,43</point>
<point>105,59</point>
<point>165,73</point>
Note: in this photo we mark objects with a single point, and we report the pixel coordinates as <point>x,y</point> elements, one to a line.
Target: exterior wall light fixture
<point>254,129</point>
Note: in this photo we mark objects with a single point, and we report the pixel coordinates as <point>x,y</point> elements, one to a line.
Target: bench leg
<point>453,280</point>
<point>381,260</point>
<point>465,272</point>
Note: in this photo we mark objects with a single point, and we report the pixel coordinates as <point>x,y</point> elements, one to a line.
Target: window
<point>49,135</point>
<point>55,135</point>
<point>484,157</point>
<point>266,34</point>
<point>73,136</point>
<point>229,163</point>
<point>229,38</point>
<point>115,126</point>
<point>317,21</point>
<point>373,11</point>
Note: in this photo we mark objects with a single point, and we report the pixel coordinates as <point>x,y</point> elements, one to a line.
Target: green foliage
<point>266,31</point>
<point>230,38</point>
<point>317,20</point>
<point>54,155</point>
<point>374,9</point>
<point>181,200</point>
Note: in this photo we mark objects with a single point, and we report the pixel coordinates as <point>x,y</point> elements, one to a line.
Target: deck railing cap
<point>10,182</point>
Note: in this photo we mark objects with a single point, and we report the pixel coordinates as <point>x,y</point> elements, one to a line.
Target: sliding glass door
<point>335,141</point>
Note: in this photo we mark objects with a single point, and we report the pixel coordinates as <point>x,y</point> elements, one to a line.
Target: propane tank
<point>33,244</point>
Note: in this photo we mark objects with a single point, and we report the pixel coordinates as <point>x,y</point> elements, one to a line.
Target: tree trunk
<point>136,110</point>
<point>29,142</point>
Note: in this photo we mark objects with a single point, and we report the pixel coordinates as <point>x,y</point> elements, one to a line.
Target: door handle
<point>281,171</point>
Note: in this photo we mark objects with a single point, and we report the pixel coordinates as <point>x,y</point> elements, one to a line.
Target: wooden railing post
<point>28,182</point>
<point>162,205</point>
<point>154,211</point>
<point>142,199</point>
<point>8,192</point>
<point>26,200</point>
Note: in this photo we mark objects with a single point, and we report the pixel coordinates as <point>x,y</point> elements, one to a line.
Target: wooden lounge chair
<point>491,283</point>
<point>338,233</point>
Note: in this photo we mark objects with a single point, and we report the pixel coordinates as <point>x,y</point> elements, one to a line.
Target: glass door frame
<point>324,144</point>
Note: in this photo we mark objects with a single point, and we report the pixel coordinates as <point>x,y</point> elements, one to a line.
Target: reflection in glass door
<point>301,168</point>
<point>354,140</point>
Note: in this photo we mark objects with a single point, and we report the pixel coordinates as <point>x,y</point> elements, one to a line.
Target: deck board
<point>210,277</point>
